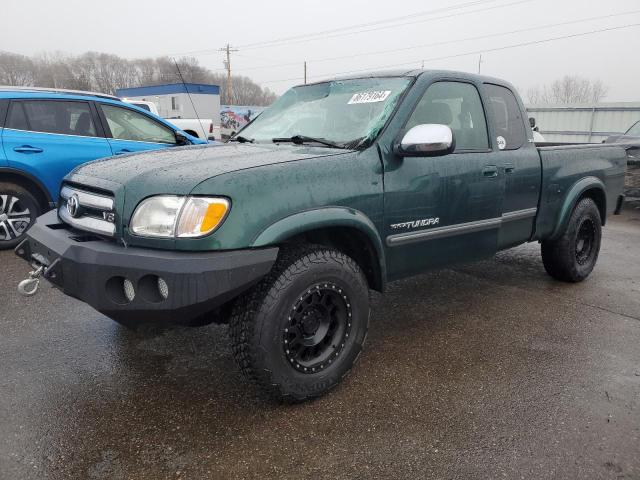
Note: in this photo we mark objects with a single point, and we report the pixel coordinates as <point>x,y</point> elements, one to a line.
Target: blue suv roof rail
<point>6,88</point>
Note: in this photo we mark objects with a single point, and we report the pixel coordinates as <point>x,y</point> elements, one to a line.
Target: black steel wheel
<point>298,332</point>
<point>585,241</point>
<point>572,256</point>
<point>317,327</point>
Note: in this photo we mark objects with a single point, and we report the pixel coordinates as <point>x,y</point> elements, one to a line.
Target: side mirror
<point>426,140</point>
<point>181,139</point>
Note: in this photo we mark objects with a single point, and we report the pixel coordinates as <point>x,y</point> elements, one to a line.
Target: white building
<point>588,123</point>
<point>177,100</point>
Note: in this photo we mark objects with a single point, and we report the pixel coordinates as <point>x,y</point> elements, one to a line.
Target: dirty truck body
<point>338,188</point>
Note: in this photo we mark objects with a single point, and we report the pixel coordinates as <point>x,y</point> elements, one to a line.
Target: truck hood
<point>178,170</point>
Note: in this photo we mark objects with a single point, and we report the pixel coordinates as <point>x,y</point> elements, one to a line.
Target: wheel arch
<point>588,187</point>
<point>30,183</point>
<point>344,229</point>
<point>191,132</point>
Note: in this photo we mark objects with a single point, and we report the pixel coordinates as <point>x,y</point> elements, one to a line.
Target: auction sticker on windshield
<point>369,97</point>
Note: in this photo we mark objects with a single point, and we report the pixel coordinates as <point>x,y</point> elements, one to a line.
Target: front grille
<point>87,211</point>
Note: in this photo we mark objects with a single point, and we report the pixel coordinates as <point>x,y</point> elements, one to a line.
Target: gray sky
<point>154,27</point>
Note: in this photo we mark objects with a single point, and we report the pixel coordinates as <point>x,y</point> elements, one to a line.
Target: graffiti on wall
<point>236,117</point>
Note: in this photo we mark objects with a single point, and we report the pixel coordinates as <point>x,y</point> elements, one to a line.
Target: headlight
<point>201,215</point>
<point>167,216</point>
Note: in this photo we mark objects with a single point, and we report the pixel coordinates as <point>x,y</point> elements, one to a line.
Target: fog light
<point>163,288</point>
<point>129,291</point>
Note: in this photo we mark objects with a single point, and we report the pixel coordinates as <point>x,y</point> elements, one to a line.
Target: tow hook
<point>29,286</point>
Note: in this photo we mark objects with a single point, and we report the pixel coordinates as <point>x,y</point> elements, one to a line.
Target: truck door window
<point>125,124</point>
<point>507,117</point>
<point>457,105</point>
<point>64,118</point>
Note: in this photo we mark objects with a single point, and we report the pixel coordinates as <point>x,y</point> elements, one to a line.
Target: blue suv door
<point>48,138</point>
<point>131,131</point>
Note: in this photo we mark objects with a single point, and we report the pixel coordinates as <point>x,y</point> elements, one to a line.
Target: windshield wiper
<point>241,139</point>
<point>301,139</point>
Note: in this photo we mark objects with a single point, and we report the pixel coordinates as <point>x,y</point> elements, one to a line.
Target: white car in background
<point>200,128</point>
<point>537,137</point>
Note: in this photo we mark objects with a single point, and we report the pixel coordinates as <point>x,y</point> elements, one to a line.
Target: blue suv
<point>44,134</point>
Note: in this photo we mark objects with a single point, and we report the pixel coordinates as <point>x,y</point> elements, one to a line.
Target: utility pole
<point>479,64</point>
<point>305,72</point>
<point>227,65</point>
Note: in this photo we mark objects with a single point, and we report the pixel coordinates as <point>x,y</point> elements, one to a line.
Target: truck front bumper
<point>136,284</point>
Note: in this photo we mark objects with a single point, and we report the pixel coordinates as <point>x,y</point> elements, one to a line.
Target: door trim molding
<point>459,228</point>
<point>519,214</point>
<point>443,232</point>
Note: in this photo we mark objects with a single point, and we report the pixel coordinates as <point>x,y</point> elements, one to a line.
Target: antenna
<point>190,99</point>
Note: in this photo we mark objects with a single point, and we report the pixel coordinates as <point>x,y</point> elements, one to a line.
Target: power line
<point>385,27</point>
<point>446,42</point>
<point>475,52</point>
<point>369,24</point>
<point>323,36</point>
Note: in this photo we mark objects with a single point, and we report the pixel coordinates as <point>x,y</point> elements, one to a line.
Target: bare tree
<point>106,73</point>
<point>16,70</point>
<point>568,89</point>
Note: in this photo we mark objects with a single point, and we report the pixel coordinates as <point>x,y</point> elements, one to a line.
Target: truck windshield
<point>345,113</point>
<point>634,131</point>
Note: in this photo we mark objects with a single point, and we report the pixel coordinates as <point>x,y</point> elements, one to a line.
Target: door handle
<point>509,168</point>
<point>27,149</point>
<point>490,171</point>
<point>123,151</point>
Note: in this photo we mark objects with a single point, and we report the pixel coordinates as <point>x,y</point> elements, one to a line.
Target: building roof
<point>168,89</point>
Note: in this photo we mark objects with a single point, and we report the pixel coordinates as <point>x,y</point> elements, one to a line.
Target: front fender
<point>322,218</point>
<point>571,198</point>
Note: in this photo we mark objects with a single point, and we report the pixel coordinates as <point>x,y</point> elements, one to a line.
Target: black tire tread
<point>557,254</point>
<point>292,261</point>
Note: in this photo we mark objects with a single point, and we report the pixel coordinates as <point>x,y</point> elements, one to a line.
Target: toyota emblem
<point>73,205</point>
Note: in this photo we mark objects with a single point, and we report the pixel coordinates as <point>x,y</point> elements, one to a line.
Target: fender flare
<point>571,198</point>
<point>326,217</point>
<point>30,178</point>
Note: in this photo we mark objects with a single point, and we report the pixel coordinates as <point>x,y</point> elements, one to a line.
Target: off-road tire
<point>25,201</point>
<point>260,317</point>
<point>565,257</point>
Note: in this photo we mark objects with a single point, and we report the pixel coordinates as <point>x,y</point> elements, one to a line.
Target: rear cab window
<point>507,116</point>
<point>52,116</point>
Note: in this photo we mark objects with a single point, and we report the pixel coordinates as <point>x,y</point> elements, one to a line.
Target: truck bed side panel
<point>567,171</point>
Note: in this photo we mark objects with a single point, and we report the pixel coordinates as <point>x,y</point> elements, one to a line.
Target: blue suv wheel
<point>18,210</point>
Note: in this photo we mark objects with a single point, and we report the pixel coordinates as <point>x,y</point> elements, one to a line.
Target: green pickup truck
<point>338,188</point>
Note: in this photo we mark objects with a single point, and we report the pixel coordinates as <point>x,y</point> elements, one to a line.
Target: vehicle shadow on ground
<point>177,396</point>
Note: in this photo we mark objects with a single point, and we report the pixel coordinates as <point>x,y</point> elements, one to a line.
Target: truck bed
<point>566,167</point>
